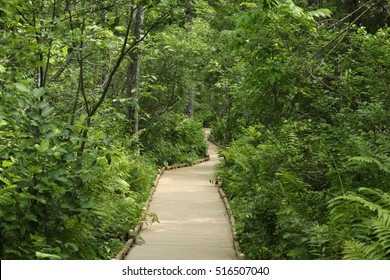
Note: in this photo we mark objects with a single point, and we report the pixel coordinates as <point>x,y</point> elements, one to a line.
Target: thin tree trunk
<point>123,53</point>
<point>39,42</point>
<point>133,72</point>
<point>189,13</point>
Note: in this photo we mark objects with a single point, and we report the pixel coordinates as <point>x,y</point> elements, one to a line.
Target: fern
<point>355,250</point>
<point>377,196</point>
<point>364,218</point>
<point>382,231</point>
<point>290,7</point>
<point>371,160</point>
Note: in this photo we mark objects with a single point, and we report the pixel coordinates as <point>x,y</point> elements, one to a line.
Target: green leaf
<point>83,117</point>
<point>22,87</point>
<point>50,134</point>
<point>42,105</point>
<point>39,92</point>
<point>41,255</point>
<point>59,175</point>
<point>47,111</point>
<point>7,163</point>
<point>33,197</point>
<point>9,217</point>
<point>68,206</point>
<point>45,144</point>
<point>3,122</point>
<point>31,217</point>
<point>75,138</point>
<point>2,69</point>
<point>87,205</point>
<point>5,181</point>
<point>5,195</point>
<point>324,13</point>
<point>271,79</point>
<point>68,156</point>
<point>21,103</point>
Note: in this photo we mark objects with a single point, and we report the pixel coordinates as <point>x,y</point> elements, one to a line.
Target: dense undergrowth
<point>307,167</point>
<point>173,139</point>
<point>56,204</point>
<point>83,130</point>
<point>292,201</point>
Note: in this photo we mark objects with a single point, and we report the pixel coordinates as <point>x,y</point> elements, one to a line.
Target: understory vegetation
<point>75,169</point>
<point>95,96</point>
<point>307,167</point>
<point>57,203</point>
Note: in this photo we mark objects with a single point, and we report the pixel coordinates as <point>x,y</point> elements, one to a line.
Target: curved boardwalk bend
<point>193,223</point>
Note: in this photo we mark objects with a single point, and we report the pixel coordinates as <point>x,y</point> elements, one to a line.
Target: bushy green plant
<point>306,126</point>
<point>358,227</point>
<point>361,221</point>
<point>54,203</point>
<point>118,191</point>
<point>261,173</point>
<point>41,167</point>
<point>174,138</point>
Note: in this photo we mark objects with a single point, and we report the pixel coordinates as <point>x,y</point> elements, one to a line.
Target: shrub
<point>174,138</point>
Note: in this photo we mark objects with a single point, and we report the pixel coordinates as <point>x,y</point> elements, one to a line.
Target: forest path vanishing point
<point>193,223</point>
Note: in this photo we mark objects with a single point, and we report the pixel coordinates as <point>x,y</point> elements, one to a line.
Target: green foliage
<point>173,138</point>
<point>73,179</point>
<point>118,191</point>
<point>274,207</point>
<point>300,99</point>
<point>40,167</point>
<point>174,67</point>
<point>305,130</point>
<point>361,220</point>
<point>52,207</point>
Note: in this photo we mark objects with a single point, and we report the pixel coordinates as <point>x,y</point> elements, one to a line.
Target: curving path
<point>193,224</point>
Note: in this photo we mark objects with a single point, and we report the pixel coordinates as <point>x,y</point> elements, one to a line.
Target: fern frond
<point>378,196</point>
<point>271,3</point>
<point>366,216</point>
<point>357,199</point>
<point>291,182</point>
<point>293,9</point>
<point>382,230</point>
<point>370,160</point>
<point>356,250</point>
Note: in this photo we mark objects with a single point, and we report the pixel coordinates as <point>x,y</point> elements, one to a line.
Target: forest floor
<point>193,223</point>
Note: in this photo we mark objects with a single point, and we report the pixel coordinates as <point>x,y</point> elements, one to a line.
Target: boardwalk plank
<point>193,224</point>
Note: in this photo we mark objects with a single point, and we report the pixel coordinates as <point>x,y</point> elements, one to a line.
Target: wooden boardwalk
<point>193,223</point>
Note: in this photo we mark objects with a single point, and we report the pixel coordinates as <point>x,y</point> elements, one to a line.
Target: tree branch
<point>341,33</point>
<point>63,67</point>
<point>123,54</point>
<point>353,103</point>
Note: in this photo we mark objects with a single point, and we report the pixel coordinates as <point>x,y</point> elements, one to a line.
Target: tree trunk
<point>133,72</point>
<point>189,13</point>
